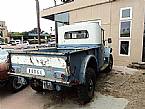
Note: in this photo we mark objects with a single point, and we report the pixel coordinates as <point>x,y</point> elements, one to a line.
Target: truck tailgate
<point>41,66</point>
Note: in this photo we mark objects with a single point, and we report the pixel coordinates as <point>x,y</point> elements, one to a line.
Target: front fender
<point>107,52</point>
<point>83,68</point>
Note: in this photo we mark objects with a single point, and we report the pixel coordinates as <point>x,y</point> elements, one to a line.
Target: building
<point>122,20</point>
<point>3,31</point>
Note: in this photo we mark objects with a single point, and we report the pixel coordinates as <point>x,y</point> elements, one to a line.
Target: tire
<point>86,90</point>
<point>3,83</point>
<point>15,85</point>
<point>36,85</point>
<point>110,64</point>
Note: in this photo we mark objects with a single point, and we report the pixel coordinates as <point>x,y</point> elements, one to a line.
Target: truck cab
<point>83,35</point>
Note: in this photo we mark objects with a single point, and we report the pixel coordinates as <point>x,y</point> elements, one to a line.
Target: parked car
<point>2,44</point>
<point>17,41</point>
<point>12,42</point>
<point>14,83</point>
<point>51,43</point>
<point>26,42</point>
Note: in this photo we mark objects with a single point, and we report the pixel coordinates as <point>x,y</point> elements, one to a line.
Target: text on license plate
<point>34,71</point>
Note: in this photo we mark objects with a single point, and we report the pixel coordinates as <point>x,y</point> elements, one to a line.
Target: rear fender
<point>84,66</point>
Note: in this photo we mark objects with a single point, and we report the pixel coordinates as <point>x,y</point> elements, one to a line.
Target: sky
<point>20,15</point>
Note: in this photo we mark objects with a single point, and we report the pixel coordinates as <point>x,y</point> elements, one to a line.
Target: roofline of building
<point>49,13</point>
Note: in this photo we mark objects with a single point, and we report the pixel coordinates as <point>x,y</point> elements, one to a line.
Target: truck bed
<point>44,64</point>
<point>50,64</point>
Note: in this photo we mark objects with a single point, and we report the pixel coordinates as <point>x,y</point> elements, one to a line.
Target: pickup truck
<point>81,54</point>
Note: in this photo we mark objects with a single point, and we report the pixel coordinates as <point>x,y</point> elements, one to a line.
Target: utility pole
<point>38,21</point>
<point>54,2</point>
<point>56,29</point>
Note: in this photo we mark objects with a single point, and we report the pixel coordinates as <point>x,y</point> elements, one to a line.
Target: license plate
<point>33,71</point>
<point>47,85</point>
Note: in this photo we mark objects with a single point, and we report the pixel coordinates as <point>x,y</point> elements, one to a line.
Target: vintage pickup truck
<point>81,54</point>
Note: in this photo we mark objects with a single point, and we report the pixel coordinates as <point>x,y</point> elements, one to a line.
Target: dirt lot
<point>120,83</point>
<point>125,85</point>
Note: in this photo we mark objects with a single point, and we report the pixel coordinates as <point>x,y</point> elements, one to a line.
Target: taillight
<point>63,77</point>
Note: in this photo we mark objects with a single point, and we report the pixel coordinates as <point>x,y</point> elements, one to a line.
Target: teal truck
<point>81,54</point>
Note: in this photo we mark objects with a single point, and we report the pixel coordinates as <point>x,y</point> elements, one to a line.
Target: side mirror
<point>109,40</point>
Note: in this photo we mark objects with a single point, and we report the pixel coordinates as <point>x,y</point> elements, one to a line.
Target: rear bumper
<point>60,82</point>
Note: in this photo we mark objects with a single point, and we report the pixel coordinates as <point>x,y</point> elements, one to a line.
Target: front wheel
<point>86,90</point>
<point>110,64</point>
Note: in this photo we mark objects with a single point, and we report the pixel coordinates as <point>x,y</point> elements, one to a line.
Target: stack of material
<point>137,65</point>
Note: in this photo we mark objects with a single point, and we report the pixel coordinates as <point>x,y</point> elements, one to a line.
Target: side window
<point>83,34</point>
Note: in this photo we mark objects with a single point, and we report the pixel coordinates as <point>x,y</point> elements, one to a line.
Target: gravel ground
<point>126,85</point>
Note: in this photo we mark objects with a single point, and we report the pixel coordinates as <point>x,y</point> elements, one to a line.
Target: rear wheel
<point>17,83</point>
<point>86,90</point>
<point>36,85</point>
<point>3,83</point>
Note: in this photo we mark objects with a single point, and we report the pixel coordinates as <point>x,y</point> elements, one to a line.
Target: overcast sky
<point>20,15</point>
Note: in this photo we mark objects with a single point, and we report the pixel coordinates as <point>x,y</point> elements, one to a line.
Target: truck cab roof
<point>84,33</point>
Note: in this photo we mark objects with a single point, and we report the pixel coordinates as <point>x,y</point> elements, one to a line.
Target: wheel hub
<point>90,88</point>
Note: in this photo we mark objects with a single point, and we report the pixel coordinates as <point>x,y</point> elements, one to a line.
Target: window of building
<point>93,21</point>
<point>124,48</point>
<point>96,21</point>
<point>125,31</point>
<point>62,19</point>
<point>126,13</point>
<point>76,34</point>
<point>125,28</point>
